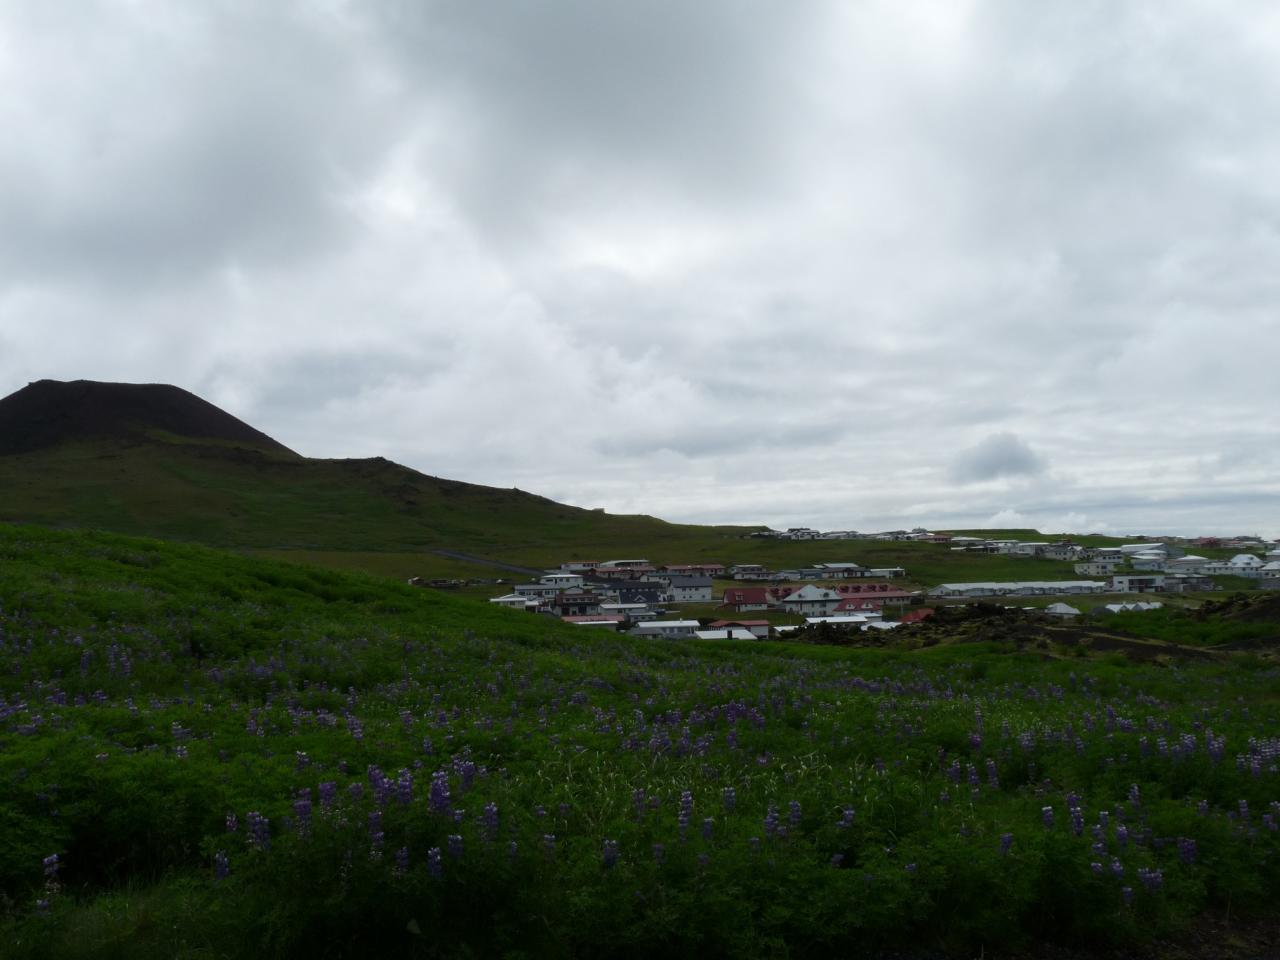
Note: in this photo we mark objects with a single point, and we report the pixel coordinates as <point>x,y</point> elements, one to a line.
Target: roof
<point>739,623</point>
<point>724,634</point>
<point>688,582</point>
<point>810,593</point>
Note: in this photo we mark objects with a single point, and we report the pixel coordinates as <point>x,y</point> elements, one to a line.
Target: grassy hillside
<point>236,497</point>
<point>204,754</point>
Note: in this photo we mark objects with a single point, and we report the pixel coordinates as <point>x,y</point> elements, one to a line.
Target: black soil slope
<point>48,413</point>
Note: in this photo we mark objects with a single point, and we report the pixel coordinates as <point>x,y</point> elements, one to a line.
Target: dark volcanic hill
<point>154,460</point>
<point>48,413</point>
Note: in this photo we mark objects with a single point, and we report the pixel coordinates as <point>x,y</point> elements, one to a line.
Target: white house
<point>673,629</point>
<point>1136,583</point>
<point>1097,568</point>
<point>1062,611</point>
<point>729,633</point>
<point>514,601</point>
<point>1030,588</point>
<point>689,589</point>
<point>562,580</point>
<point>812,601</point>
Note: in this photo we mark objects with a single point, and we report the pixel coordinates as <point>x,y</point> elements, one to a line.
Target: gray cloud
<point>999,456</point>
<point>767,263</point>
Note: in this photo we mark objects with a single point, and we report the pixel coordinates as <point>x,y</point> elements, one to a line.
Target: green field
<point>205,754</point>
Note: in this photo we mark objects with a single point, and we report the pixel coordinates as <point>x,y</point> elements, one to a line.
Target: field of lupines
<point>206,755</point>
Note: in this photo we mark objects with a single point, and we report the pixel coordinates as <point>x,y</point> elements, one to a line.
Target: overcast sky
<point>848,265</point>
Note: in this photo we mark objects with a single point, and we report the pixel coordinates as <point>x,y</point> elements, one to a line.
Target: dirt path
<point>482,561</point>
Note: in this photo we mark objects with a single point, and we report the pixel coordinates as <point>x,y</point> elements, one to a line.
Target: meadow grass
<point>207,754</point>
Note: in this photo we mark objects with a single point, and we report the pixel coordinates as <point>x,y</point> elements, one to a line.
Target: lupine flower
<point>730,798</point>
<point>549,844</point>
<point>259,830</point>
<point>1046,815</point>
<point>302,809</point>
<point>221,865</point>
<point>454,845</point>
<point>795,813</point>
<point>435,866</point>
<point>438,797</point>
<point>232,823</point>
<point>328,791</point>
<point>771,821</point>
<point>1186,850</point>
<point>1096,867</point>
<point>610,854</point>
<point>489,820</point>
<point>1006,843</point>
<point>51,864</point>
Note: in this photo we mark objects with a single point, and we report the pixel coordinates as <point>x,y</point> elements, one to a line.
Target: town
<point>639,597</point>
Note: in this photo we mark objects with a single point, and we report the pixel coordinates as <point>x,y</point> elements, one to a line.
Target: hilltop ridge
<point>48,413</point>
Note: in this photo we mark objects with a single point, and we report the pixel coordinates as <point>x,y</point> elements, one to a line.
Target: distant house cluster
<point>633,594</point>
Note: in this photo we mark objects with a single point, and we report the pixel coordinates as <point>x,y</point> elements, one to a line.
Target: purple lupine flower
<point>513,850</point>
<point>910,868</point>
<point>846,819</point>
<point>233,823</point>
<point>51,865</point>
<point>259,830</point>
<point>1006,843</point>
<point>1117,868</point>
<point>438,797</point>
<point>1243,807</point>
<point>489,820</point>
<point>610,854</point>
<point>771,821</point>
<point>685,813</point>
<point>42,906</point>
<point>1096,867</point>
<point>302,809</point>
<point>1135,795</point>
<point>404,787</point>
<point>376,837</point>
<point>328,791</point>
<point>1186,850</point>
<point>1122,834</point>
<point>1077,821</point>
<point>993,775</point>
<point>638,802</point>
<point>454,845</point>
<point>1152,878</point>
<point>435,866</point>
<point>1046,815</point>
<point>1104,819</point>
<point>549,844</point>
<point>221,865</point>
<point>730,798</point>
<point>794,815</point>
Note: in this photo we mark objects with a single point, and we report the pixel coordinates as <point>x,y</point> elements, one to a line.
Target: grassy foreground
<point>203,754</point>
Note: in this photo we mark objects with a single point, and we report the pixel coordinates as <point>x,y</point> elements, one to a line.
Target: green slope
<point>238,497</point>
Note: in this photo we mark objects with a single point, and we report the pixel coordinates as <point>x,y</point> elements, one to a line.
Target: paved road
<point>470,558</point>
